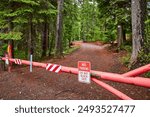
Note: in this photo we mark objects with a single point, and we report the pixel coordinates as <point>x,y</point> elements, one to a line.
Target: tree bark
<point>138,18</point>
<point>10,28</point>
<point>58,41</point>
<point>30,38</point>
<point>52,36</point>
<point>45,39</point>
<point>120,37</point>
<point>10,48</point>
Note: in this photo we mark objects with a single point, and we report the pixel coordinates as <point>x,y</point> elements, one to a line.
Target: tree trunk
<point>124,34</point>
<point>58,41</point>
<point>121,35</point>
<point>10,41</point>
<point>10,48</point>
<point>30,38</point>
<point>84,26</point>
<point>138,18</point>
<point>45,39</point>
<point>52,33</point>
<point>10,28</point>
<point>51,42</point>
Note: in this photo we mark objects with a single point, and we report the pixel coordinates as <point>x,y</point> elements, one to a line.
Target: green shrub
<point>20,54</point>
<point>144,58</point>
<point>3,48</point>
<point>108,36</point>
<point>147,74</point>
<point>126,59</point>
<point>144,55</point>
<point>127,48</point>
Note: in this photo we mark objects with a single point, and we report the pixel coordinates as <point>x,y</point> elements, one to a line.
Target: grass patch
<point>70,50</point>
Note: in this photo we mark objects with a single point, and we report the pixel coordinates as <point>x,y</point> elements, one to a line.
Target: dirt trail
<point>41,84</point>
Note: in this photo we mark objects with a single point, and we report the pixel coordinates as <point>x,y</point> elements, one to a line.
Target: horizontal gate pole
<point>112,90</point>
<point>140,81</point>
<point>36,64</point>
<point>138,71</point>
<point>104,85</point>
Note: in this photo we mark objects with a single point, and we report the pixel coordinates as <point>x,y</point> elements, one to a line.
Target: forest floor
<point>41,84</point>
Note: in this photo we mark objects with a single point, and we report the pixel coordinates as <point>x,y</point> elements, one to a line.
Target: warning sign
<point>84,68</point>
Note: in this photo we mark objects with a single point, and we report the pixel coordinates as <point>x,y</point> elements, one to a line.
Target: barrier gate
<point>96,76</point>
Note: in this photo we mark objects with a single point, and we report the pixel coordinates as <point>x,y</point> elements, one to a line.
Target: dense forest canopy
<point>47,27</point>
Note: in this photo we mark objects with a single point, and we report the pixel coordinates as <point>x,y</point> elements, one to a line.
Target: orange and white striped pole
<point>57,69</point>
<point>139,81</point>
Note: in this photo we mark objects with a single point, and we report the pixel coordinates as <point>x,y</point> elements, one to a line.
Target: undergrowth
<point>70,50</point>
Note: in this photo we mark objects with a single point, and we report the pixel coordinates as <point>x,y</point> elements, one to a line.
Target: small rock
<point>44,85</point>
<point>20,92</point>
<point>92,88</point>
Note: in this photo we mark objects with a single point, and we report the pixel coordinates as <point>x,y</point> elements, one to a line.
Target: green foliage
<point>71,25</point>
<point>147,74</point>
<point>108,36</point>
<point>87,20</point>
<point>38,49</point>
<point>18,14</point>
<point>20,11</point>
<point>3,49</point>
<point>147,21</point>
<point>112,13</point>
<point>128,48</point>
<point>28,2</point>
<point>20,54</point>
<point>126,59</point>
<point>20,20</point>
<point>144,55</point>
<point>47,12</point>
<point>144,58</point>
<point>11,35</point>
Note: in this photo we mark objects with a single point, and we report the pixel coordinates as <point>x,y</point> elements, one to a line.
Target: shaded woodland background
<point>47,28</point>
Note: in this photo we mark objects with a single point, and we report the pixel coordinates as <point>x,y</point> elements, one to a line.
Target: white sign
<point>84,71</point>
<point>6,61</point>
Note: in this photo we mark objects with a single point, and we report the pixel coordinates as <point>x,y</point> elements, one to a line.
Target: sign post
<point>84,68</point>
<point>31,63</point>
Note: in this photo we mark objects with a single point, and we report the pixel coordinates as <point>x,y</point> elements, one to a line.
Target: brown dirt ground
<point>20,84</point>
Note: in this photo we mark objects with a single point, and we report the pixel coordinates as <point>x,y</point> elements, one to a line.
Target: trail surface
<point>41,84</point>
